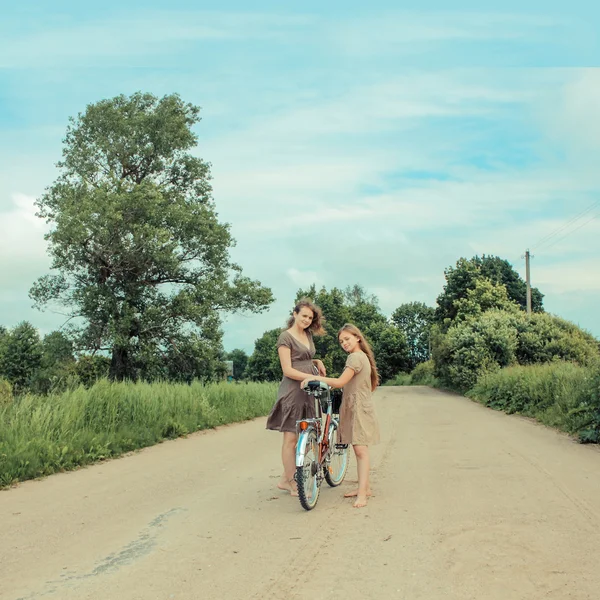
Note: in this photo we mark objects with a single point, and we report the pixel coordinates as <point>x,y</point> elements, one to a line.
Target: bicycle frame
<point>320,424</point>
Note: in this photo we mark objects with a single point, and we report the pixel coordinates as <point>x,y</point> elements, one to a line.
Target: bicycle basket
<point>336,401</point>
<point>323,403</point>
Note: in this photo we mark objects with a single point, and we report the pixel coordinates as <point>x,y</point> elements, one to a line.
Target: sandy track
<point>469,504</point>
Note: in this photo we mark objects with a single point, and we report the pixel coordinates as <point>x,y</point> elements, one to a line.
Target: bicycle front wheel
<point>338,463</point>
<point>307,475</point>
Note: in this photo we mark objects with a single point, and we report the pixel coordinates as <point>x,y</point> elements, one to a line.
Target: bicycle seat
<point>313,386</point>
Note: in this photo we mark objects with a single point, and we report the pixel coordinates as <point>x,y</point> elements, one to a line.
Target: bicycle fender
<point>301,447</point>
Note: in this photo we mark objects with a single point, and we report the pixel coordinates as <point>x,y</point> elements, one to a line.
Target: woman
<point>358,423</point>
<point>296,354</point>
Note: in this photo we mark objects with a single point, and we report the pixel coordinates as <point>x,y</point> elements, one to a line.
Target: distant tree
<point>414,319</point>
<point>240,360</point>
<point>57,365</point>
<point>462,278</point>
<point>364,311</point>
<point>356,294</point>
<point>21,356</point>
<point>90,368</point>
<point>194,357</point>
<point>390,349</point>
<point>500,271</point>
<point>57,348</point>
<point>335,309</point>
<point>339,307</point>
<point>263,364</point>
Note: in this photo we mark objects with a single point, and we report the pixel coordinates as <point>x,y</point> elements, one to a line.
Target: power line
<point>554,232</point>
<point>569,232</point>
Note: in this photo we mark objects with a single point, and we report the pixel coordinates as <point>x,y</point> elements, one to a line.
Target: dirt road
<point>469,504</point>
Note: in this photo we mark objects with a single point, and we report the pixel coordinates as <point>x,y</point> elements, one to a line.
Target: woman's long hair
<point>316,327</point>
<point>366,348</point>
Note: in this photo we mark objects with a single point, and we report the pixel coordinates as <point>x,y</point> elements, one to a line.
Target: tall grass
<point>560,394</point>
<point>40,435</point>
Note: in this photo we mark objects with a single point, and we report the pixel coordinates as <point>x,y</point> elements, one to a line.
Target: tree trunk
<point>121,367</point>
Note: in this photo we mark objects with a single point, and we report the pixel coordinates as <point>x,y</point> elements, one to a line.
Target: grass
<point>40,435</point>
<point>559,394</point>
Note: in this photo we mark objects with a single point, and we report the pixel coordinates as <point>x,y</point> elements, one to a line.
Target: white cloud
<point>568,276</point>
<point>401,31</point>
<point>21,232</point>
<point>304,279</point>
<point>314,159</point>
<point>22,260</point>
<point>569,117</point>
<point>139,38</point>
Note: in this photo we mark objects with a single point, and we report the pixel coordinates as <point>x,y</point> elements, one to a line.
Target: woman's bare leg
<point>288,457</point>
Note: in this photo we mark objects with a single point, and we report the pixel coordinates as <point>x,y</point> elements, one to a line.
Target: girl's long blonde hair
<point>316,327</point>
<point>366,348</point>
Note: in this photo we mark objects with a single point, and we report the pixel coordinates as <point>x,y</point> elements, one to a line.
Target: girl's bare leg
<point>362,466</point>
<point>288,457</point>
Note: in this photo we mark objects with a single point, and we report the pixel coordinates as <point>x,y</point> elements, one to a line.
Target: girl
<point>358,423</point>
<point>296,354</point>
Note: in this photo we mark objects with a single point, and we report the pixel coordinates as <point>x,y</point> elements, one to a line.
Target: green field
<point>40,435</point>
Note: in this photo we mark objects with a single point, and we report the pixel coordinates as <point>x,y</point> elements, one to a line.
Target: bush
<point>91,368</point>
<point>400,379</point>
<point>543,338</point>
<point>423,374</point>
<point>497,339</point>
<point>560,394</point>
<point>474,347</point>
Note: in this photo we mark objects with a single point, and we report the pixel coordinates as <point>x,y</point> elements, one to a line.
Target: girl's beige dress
<point>358,422</point>
<point>292,403</point>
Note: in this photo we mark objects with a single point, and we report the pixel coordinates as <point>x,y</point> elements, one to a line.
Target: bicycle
<point>318,455</point>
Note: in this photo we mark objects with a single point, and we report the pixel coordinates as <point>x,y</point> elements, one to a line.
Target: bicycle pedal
<point>341,446</point>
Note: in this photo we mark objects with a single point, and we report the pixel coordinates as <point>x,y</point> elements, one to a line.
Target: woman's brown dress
<point>292,403</point>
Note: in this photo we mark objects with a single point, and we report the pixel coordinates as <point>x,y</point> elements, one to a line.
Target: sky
<point>349,143</point>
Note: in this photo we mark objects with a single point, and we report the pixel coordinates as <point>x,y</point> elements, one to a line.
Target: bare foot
<point>354,493</point>
<point>360,502</point>
<point>288,485</point>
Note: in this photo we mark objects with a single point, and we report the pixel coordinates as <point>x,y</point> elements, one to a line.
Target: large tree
<point>139,252</point>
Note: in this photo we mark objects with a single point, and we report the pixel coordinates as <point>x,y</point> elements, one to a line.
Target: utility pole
<point>528,281</point>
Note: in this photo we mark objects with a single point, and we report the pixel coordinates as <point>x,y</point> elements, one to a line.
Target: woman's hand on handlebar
<point>319,364</point>
<point>305,382</point>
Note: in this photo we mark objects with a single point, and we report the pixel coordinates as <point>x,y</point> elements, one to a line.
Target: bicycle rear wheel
<point>307,475</point>
<point>338,463</point>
